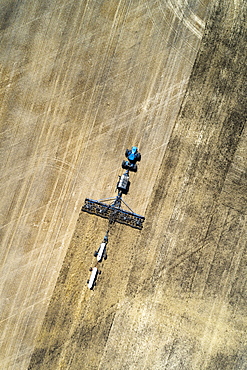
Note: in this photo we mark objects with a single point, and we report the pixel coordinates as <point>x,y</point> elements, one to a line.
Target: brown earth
<point>81,82</point>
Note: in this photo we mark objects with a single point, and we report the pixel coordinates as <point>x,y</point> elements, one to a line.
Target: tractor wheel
<point>125,165</point>
<point>134,168</point>
<point>95,254</point>
<point>138,157</point>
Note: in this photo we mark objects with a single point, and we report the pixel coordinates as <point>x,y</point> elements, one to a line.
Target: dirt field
<point>80,82</point>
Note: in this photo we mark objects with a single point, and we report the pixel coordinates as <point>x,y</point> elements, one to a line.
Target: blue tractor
<point>132,156</point>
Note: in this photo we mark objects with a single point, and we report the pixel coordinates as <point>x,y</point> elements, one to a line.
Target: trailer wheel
<point>105,256</point>
<point>90,269</point>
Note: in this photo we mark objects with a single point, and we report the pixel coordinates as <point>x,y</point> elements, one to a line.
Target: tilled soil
<point>172,296</point>
<point>84,81</point>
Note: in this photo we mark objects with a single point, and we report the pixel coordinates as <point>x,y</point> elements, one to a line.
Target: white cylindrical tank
<point>101,251</point>
<point>92,277</point>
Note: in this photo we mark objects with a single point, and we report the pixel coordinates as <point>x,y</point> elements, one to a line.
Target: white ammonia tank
<point>101,252</point>
<point>92,280</point>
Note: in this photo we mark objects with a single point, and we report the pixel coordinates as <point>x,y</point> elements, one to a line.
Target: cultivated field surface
<point>81,81</point>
